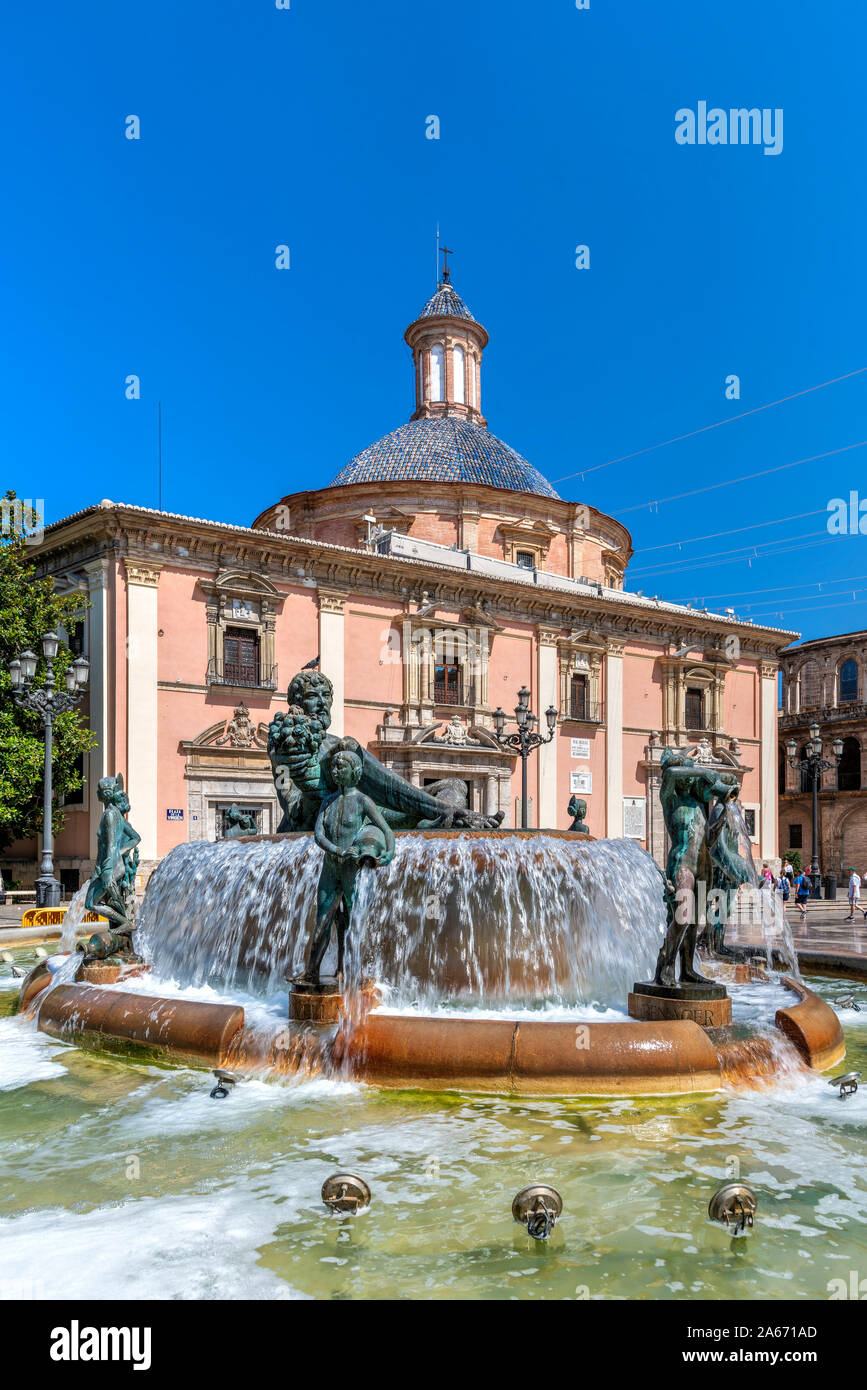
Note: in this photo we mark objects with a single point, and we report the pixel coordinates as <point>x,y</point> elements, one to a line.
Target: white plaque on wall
<point>635,817</point>
<point>580,747</point>
<point>580,781</point>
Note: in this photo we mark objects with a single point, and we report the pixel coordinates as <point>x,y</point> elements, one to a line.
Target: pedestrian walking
<point>854,892</point>
<point>802,893</point>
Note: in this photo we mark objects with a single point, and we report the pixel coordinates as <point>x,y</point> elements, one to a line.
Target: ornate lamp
<point>47,701</point>
<point>813,765</point>
<point>28,666</point>
<point>525,739</point>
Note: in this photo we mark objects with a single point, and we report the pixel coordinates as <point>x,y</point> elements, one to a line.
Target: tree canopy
<point>29,607</point>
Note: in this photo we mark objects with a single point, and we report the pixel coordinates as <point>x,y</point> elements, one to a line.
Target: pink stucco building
<point>437,574</point>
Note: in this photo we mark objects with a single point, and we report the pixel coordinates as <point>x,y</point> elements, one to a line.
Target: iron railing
<point>243,675</point>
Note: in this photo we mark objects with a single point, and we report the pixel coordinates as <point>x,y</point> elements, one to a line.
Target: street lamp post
<point>525,739</point>
<point>814,765</point>
<point>47,702</point>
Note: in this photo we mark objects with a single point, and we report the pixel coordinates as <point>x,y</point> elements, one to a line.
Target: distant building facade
<point>825,681</point>
<point>434,577</point>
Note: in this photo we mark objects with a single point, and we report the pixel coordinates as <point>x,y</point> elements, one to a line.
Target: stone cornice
<point>193,544</point>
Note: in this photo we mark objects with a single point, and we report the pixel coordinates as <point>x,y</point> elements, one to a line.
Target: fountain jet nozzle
<point>848,1083</point>
<point>539,1208</point>
<point>346,1192</point>
<point>734,1204</point>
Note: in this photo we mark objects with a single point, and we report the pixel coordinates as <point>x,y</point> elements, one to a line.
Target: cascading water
<point>73,921</point>
<point>490,916</point>
<point>757,905</point>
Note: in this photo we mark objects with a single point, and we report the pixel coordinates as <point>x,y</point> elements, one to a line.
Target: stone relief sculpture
<point>240,731</point>
<point>300,749</point>
<point>457,734</point>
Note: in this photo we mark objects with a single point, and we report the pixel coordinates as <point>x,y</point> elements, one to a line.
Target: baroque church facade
<point>438,574</point>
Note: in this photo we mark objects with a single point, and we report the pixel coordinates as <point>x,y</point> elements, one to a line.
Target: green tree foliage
<point>30,607</point>
<point>794,858</point>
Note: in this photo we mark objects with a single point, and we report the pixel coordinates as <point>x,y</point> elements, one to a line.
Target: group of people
<point>798,885</point>
<point>790,885</point>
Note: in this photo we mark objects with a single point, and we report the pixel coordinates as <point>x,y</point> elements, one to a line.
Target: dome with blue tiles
<point>446,303</point>
<point>444,449</point>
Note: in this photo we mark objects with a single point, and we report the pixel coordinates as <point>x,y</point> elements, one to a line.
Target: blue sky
<point>306,127</point>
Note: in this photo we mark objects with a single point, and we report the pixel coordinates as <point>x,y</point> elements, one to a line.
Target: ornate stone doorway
<point>227,764</point>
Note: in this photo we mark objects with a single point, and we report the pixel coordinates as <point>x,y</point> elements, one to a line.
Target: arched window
<point>473,382</point>
<point>437,372</point>
<point>809,685</point>
<point>458,370</point>
<point>849,770</point>
<point>848,682</point>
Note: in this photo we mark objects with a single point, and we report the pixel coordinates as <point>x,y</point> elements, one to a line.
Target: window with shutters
<point>448,685</point>
<point>693,708</point>
<point>240,656</point>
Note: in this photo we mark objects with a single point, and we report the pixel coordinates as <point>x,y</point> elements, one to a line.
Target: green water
<point>126,1181</point>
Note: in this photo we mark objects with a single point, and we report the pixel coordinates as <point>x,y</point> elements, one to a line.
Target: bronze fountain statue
<point>352,803</point>
<point>239,823</point>
<point>693,799</point>
<point>577,809</point>
<point>354,834</point>
<point>112,886</point>
<point>300,749</point>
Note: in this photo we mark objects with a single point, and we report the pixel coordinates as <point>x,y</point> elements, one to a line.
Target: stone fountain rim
<point>436,1053</point>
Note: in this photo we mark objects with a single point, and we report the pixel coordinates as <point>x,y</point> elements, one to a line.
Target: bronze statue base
<point>708,1005</point>
<point>98,973</point>
<point>322,1003</point>
<point>735,972</point>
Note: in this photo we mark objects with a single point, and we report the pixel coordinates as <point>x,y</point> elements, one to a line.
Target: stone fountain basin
<point>503,1056</point>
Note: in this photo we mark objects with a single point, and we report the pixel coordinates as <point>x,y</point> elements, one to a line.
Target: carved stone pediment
<point>238,583</point>
<point>585,637</point>
<point>240,732</point>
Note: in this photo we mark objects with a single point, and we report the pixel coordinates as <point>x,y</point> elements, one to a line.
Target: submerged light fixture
<point>734,1205</point>
<point>538,1207</point>
<point>346,1192</point>
<point>848,1083</point>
